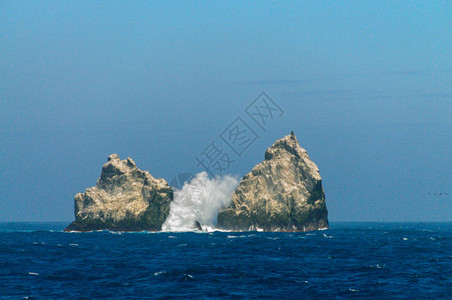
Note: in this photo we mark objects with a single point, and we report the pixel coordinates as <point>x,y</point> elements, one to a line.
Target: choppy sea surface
<point>350,260</point>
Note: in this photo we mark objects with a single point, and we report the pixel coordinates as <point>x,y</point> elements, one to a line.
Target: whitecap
<point>159,273</point>
<point>377,266</point>
<point>302,281</point>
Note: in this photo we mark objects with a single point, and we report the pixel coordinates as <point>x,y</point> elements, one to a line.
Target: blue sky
<point>365,86</point>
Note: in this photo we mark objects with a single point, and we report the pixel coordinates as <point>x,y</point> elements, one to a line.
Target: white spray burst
<point>199,200</point>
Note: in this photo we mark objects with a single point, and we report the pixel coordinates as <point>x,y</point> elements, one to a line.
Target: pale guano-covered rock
<point>283,193</point>
<point>125,198</point>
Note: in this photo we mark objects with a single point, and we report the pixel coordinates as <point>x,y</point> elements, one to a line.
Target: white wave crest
<point>199,200</point>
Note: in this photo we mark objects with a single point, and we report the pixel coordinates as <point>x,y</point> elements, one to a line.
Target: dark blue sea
<point>350,260</point>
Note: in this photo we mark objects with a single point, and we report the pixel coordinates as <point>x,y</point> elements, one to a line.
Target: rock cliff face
<point>283,193</point>
<point>125,198</point>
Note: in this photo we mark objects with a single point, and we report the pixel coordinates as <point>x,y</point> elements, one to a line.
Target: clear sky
<point>366,87</point>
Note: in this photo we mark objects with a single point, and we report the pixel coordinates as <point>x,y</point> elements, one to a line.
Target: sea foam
<point>199,200</point>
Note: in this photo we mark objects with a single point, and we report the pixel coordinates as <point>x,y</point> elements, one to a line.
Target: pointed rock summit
<point>125,198</point>
<point>282,193</point>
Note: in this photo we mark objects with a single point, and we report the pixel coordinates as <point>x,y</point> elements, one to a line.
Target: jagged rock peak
<point>288,146</point>
<point>114,158</point>
<point>115,167</point>
<point>282,193</point>
<point>124,198</point>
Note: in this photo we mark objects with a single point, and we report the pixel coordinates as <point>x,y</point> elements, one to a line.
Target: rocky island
<point>283,193</point>
<point>125,198</point>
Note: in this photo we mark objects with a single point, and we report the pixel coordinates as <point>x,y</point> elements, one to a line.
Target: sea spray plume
<point>199,200</point>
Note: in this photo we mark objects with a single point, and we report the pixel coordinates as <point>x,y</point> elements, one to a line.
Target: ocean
<point>350,260</point>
